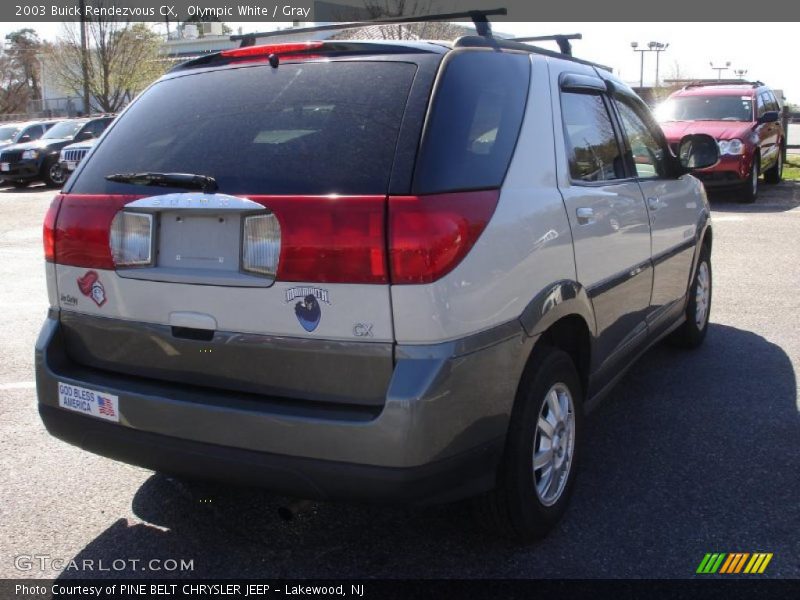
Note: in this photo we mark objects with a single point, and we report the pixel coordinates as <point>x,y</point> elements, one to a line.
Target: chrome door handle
<point>655,203</point>
<point>585,216</point>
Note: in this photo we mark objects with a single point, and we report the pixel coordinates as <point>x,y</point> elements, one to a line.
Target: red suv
<point>744,118</point>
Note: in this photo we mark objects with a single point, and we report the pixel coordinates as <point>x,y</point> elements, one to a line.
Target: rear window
<point>310,128</point>
<point>474,122</point>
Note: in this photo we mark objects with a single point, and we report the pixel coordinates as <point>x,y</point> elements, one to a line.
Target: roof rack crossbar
<point>703,82</point>
<point>479,18</point>
<point>562,39</point>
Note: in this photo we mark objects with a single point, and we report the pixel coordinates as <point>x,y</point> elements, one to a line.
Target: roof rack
<point>479,18</point>
<point>474,41</point>
<point>705,82</point>
<point>562,39</point>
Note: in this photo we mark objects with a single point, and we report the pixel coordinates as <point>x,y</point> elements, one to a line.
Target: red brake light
<point>330,239</point>
<point>267,49</point>
<point>49,229</point>
<point>430,235</point>
<point>82,231</point>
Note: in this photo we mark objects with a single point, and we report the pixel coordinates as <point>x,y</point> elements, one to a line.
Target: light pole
<point>719,70</point>
<point>656,47</point>
<point>740,73</point>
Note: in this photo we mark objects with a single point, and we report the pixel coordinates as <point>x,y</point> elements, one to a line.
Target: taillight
<point>49,230</point>
<point>430,235</point>
<point>330,239</point>
<point>131,239</point>
<point>261,244</point>
<point>83,230</point>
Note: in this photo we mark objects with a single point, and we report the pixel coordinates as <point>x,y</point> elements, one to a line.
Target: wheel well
<point>571,334</point>
<point>707,238</point>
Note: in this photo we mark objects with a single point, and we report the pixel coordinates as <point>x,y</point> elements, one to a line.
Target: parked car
<point>22,164</point>
<point>72,155</point>
<point>265,273</point>
<point>745,118</point>
<point>18,133</point>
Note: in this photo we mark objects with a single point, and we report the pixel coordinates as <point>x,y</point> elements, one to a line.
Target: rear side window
<point>310,128</point>
<point>474,122</point>
<point>594,153</point>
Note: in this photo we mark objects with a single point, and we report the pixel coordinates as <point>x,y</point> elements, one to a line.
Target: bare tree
<point>431,30</point>
<point>123,60</point>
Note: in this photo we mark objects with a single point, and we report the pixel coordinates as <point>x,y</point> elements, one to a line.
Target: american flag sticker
<point>89,402</point>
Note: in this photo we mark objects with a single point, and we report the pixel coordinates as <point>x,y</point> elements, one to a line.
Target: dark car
<point>744,118</point>
<point>21,164</point>
<point>19,133</point>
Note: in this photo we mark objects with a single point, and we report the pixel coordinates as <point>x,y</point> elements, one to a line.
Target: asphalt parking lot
<point>692,453</point>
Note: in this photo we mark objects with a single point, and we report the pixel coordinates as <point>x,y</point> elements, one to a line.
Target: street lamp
<point>656,47</point>
<point>719,70</point>
<point>740,73</point>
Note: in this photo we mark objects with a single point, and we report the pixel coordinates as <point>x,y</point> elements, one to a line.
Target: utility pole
<point>658,48</point>
<point>740,73</point>
<point>635,46</point>
<point>84,60</point>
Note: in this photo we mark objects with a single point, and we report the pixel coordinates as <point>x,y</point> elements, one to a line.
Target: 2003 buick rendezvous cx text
<point>370,270</point>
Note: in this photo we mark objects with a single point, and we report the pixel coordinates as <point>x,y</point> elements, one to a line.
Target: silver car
<point>383,271</point>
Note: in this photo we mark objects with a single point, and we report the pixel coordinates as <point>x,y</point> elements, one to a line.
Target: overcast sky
<point>768,51</point>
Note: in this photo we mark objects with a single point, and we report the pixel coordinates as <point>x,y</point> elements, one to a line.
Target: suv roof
<point>722,87</point>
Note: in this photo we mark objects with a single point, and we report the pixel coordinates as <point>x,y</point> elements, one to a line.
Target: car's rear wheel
<point>53,174</point>
<point>750,189</point>
<point>693,331</point>
<point>543,444</point>
<point>775,174</point>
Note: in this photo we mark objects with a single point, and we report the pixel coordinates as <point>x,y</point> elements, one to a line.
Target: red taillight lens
<point>330,239</point>
<point>83,227</point>
<point>267,49</point>
<point>430,235</point>
<point>49,230</point>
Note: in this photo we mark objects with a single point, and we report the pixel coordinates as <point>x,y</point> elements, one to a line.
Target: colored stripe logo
<point>734,562</point>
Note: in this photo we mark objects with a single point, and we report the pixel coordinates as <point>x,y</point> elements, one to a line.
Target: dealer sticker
<point>89,402</point>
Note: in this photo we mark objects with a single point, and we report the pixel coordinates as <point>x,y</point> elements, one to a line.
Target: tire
<point>20,184</point>
<point>694,329</point>
<point>775,174</point>
<point>53,175</point>
<point>523,506</point>
<point>750,189</point>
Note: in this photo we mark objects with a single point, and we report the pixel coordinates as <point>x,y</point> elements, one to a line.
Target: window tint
<point>474,122</point>
<point>770,102</point>
<point>310,128</point>
<point>97,127</point>
<point>592,147</point>
<point>649,156</point>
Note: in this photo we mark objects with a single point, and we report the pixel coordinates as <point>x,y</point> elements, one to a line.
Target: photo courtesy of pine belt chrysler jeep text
<point>397,272</point>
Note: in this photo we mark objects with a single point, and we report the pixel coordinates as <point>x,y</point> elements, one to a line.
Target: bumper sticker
<point>89,402</point>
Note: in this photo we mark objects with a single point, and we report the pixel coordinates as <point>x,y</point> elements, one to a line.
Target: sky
<point>768,51</point>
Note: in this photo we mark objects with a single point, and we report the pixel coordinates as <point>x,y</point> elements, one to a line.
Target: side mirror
<point>772,116</point>
<point>698,151</point>
<point>24,138</point>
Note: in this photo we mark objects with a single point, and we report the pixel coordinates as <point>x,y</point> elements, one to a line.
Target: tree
<point>20,73</point>
<point>430,30</point>
<point>122,61</point>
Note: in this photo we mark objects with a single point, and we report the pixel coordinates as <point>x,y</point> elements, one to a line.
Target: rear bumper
<point>438,437</point>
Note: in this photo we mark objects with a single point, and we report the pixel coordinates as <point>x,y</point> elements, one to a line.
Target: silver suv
<point>370,270</point>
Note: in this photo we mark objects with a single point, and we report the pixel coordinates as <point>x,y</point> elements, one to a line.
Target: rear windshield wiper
<point>204,183</point>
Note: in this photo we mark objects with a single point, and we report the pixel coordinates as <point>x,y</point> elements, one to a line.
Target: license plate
<point>5,167</point>
<point>71,164</point>
<point>88,402</point>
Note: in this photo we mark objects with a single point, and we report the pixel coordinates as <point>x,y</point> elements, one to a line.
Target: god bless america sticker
<point>88,402</point>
